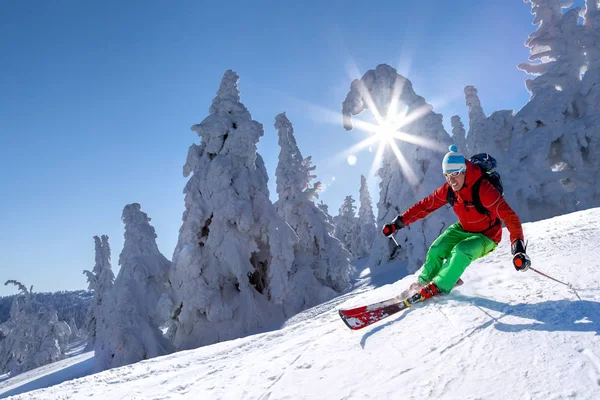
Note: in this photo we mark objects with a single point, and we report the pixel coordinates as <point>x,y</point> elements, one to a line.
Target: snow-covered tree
<point>321,264</point>
<point>75,332</point>
<point>591,44</point>
<point>346,225</point>
<point>555,135</point>
<point>475,139</point>
<point>33,336</point>
<point>458,134</point>
<point>366,221</point>
<point>100,280</point>
<point>70,305</point>
<point>330,224</point>
<point>590,91</point>
<point>487,134</point>
<point>556,48</point>
<point>129,327</point>
<point>234,254</point>
<point>476,114</point>
<point>406,179</point>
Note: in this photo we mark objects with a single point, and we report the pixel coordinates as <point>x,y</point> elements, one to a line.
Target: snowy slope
<point>48,375</point>
<point>502,335</point>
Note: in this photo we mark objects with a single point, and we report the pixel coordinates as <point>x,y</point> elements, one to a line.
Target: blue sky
<point>97,100</point>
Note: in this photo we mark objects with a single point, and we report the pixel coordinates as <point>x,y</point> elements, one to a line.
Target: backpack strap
<point>479,205</point>
<point>476,199</point>
<point>450,198</point>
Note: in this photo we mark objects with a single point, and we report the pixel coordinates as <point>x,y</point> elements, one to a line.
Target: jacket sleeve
<point>426,206</point>
<point>495,202</point>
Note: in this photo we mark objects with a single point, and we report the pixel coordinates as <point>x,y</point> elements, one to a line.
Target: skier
<point>473,236</point>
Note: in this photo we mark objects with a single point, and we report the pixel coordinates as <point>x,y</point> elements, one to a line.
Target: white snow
<point>502,335</point>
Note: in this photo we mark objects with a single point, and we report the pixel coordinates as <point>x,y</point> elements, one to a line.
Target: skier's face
<point>456,181</point>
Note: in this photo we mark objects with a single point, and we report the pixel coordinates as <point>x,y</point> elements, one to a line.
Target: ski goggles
<point>453,174</point>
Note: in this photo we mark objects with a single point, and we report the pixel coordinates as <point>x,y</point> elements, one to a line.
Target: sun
<point>386,132</point>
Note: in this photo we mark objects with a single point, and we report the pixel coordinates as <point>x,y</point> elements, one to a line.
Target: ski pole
<point>549,277</point>
<point>394,239</point>
<point>556,280</point>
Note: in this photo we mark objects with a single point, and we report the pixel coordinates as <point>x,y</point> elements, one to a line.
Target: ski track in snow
<point>501,335</point>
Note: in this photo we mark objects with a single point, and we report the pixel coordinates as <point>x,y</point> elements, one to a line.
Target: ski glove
<point>397,224</point>
<point>518,247</point>
<point>521,260</point>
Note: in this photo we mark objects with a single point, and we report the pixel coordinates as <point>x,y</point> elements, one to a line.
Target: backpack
<point>487,164</point>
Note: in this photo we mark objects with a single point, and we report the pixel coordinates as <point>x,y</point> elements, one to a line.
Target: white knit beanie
<point>453,161</point>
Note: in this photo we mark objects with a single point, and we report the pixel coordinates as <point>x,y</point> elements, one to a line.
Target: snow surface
<point>80,364</point>
<point>502,335</point>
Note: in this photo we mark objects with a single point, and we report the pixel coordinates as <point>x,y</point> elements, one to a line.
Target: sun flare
<point>385,133</point>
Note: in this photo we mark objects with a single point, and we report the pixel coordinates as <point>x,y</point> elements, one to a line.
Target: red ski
<point>356,319</point>
<point>360,317</point>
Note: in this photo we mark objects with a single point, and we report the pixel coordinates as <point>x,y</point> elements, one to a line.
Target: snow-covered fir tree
<point>72,306</point>
<point>346,225</point>
<point>458,135</point>
<point>330,224</point>
<point>555,137</point>
<point>321,264</point>
<point>234,254</point>
<point>556,48</point>
<point>487,134</point>
<point>590,90</point>
<point>100,280</point>
<point>416,174</point>
<point>367,229</point>
<point>476,118</point>
<point>33,336</point>
<point>129,327</point>
<point>75,332</point>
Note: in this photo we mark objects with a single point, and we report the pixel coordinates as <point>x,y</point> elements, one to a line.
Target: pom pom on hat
<point>453,161</point>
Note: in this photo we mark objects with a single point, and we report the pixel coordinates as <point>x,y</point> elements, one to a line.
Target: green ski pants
<point>451,253</point>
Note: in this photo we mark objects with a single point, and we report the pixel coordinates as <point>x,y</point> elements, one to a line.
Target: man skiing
<point>473,236</point>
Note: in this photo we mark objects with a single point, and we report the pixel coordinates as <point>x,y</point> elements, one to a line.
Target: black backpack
<point>487,164</point>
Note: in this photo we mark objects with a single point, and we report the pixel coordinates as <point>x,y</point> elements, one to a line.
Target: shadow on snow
<point>81,369</point>
<point>551,315</point>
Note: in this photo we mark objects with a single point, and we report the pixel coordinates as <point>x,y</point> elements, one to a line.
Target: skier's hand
<point>390,229</point>
<point>521,261</point>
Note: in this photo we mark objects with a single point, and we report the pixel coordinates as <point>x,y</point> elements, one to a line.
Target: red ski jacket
<point>470,219</point>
